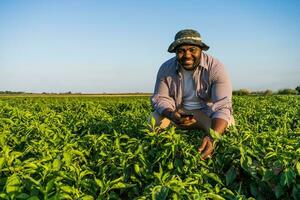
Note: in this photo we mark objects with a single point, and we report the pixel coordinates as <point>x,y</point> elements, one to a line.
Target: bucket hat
<point>187,36</point>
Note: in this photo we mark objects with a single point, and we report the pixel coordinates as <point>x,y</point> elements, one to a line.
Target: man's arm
<point>219,125</point>
<point>222,107</point>
<point>221,95</point>
<point>160,99</point>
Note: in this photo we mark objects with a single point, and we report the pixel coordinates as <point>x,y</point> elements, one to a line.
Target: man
<point>192,90</point>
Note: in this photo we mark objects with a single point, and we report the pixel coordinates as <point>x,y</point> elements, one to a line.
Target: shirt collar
<point>202,60</point>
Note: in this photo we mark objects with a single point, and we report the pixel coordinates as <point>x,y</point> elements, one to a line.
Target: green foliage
<point>241,92</point>
<point>288,91</point>
<point>101,148</point>
<point>298,89</point>
<point>268,92</point>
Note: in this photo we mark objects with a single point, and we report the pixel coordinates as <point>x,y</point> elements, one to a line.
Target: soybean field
<point>101,148</point>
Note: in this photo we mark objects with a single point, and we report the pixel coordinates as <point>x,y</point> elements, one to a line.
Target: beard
<point>189,67</point>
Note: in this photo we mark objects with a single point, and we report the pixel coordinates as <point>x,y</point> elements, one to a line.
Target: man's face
<point>188,56</point>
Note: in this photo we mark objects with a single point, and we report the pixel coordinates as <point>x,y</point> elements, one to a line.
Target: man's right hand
<point>179,117</point>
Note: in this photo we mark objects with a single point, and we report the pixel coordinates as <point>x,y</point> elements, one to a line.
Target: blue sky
<point>118,46</point>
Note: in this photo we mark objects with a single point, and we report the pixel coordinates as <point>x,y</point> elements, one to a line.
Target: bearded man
<point>193,90</point>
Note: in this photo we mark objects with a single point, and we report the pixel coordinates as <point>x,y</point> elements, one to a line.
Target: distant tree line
<point>11,92</point>
<point>240,92</point>
<point>286,91</point>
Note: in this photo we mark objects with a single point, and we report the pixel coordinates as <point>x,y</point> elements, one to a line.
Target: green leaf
<point>117,143</point>
<point>178,164</point>
<point>153,122</point>
<point>33,198</point>
<point>170,165</point>
<point>67,189</point>
<point>278,191</point>
<point>65,196</point>
<point>227,191</point>
<point>85,172</point>
<point>165,176</point>
<point>54,197</point>
<point>268,175</point>
<point>98,182</point>
<point>76,152</point>
<point>13,155</point>
<point>67,158</point>
<point>2,161</point>
<point>215,177</point>
<point>162,194</point>
<point>118,185</point>
<point>270,154</point>
<point>253,189</point>
<point>37,183</point>
<point>117,180</point>
<point>296,191</point>
<point>213,196</point>
<point>287,177</point>
<point>4,196</point>
<point>137,169</point>
<point>159,174</point>
<point>50,185</point>
<point>13,184</point>
<point>121,185</point>
<point>230,175</point>
<point>87,197</point>
<point>102,153</point>
<point>56,165</point>
<point>215,135</point>
<point>277,164</point>
<point>298,168</point>
<point>22,196</point>
<point>31,165</point>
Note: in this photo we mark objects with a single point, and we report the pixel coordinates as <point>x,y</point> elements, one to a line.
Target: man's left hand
<point>218,125</point>
<point>207,147</point>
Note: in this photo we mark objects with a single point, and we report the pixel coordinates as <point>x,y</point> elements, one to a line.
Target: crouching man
<point>193,90</point>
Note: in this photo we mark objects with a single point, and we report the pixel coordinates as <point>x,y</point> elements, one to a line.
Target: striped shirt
<point>212,85</point>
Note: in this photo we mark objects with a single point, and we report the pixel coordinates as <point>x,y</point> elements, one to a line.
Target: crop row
<point>100,148</point>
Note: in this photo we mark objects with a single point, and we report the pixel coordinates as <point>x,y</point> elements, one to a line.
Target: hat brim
<point>175,44</point>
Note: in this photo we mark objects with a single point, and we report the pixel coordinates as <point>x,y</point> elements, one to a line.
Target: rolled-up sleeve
<point>161,99</point>
<point>221,93</point>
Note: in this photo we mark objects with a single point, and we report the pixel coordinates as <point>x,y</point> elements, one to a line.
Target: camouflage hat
<point>187,36</point>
